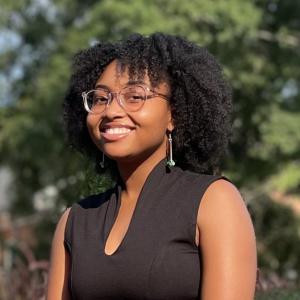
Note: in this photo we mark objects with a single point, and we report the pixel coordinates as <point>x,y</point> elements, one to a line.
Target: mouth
<point>115,133</point>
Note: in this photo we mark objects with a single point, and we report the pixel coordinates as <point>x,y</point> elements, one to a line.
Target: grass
<point>279,294</point>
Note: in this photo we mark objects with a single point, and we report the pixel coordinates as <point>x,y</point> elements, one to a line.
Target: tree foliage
<point>257,42</point>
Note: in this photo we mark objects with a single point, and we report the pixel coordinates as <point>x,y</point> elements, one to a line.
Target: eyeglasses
<point>130,98</point>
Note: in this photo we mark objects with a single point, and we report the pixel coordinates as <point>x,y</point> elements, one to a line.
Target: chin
<point>121,157</point>
<point>128,157</point>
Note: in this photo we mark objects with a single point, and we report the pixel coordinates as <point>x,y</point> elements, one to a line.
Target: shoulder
<point>227,242</point>
<point>59,262</point>
<point>222,189</point>
<point>223,218</point>
<point>63,220</point>
<point>223,201</point>
<point>60,228</point>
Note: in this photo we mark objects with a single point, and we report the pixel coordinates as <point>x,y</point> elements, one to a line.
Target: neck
<point>134,174</point>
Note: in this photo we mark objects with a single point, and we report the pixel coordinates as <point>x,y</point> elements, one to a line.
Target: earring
<point>102,161</point>
<point>170,161</point>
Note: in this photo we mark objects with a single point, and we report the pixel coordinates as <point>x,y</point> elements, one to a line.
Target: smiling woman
<point>130,129</point>
<point>155,112</point>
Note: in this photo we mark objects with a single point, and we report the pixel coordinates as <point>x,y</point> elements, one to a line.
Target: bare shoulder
<point>222,199</point>
<point>223,211</point>
<point>59,263</point>
<point>63,220</point>
<point>227,243</point>
<point>59,233</point>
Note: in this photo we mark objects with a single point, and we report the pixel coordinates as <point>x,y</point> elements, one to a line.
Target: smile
<point>116,133</point>
<point>117,130</point>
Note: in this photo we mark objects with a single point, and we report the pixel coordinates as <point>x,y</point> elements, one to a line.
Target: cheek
<point>92,123</point>
<point>155,121</point>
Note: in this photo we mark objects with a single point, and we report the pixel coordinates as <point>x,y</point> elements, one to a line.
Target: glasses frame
<point>119,100</point>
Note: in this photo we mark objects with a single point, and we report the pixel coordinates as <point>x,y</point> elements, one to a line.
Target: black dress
<point>158,258</point>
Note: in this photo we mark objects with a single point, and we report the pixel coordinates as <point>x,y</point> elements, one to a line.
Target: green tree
<point>257,42</point>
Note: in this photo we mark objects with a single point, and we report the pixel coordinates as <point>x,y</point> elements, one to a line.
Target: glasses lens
<point>133,97</point>
<point>97,100</point>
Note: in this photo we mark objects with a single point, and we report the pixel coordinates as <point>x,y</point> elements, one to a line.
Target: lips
<point>115,131</point>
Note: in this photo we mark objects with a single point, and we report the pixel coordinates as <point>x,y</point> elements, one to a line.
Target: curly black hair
<point>200,99</point>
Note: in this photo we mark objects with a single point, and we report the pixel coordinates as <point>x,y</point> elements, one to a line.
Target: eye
<point>133,97</point>
<point>100,97</point>
<point>133,94</point>
<point>100,100</point>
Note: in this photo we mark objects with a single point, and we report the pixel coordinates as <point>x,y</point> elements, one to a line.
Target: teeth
<point>117,130</point>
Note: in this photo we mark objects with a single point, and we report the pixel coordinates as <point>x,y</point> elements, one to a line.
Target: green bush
<point>277,233</point>
<point>279,294</point>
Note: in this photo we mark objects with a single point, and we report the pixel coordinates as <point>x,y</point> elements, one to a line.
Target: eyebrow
<point>102,86</point>
<point>130,82</point>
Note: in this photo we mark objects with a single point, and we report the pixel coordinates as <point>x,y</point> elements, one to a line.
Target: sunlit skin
<point>137,153</point>
<point>224,231</point>
<point>147,143</point>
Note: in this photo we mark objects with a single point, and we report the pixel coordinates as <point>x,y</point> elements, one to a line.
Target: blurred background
<point>258,44</point>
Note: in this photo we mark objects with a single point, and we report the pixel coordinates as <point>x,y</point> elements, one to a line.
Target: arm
<point>227,243</point>
<point>59,264</point>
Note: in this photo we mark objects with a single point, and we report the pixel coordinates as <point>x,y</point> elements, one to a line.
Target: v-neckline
<point>157,171</point>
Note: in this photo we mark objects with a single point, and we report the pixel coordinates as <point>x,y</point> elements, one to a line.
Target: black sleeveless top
<point>158,257</point>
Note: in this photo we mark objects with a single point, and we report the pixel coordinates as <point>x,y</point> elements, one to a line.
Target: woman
<point>156,115</point>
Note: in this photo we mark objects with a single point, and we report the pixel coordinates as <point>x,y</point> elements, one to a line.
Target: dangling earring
<point>102,161</point>
<point>170,161</point>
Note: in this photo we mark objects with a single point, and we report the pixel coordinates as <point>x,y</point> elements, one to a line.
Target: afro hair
<point>200,97</point>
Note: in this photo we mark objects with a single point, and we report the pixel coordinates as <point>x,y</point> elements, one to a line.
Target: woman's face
<point>147,127</point>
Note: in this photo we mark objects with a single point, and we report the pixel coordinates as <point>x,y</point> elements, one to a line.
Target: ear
<point>170,126</point>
